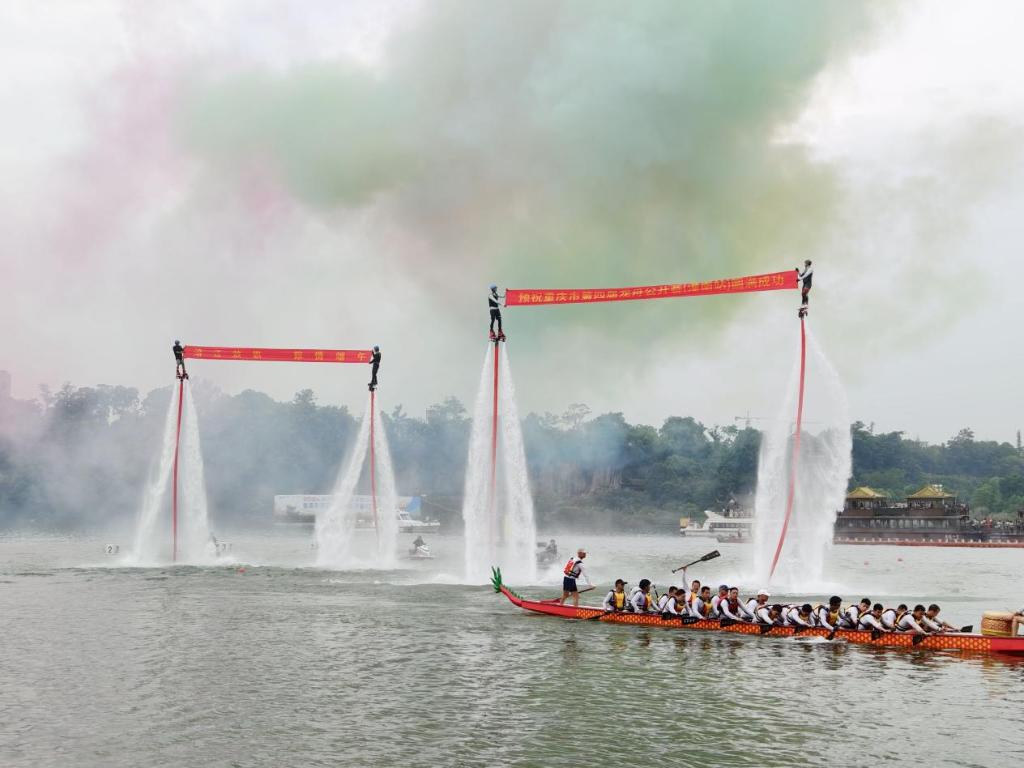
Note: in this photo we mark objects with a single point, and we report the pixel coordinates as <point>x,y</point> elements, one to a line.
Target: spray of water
<point>520,530</point>
<point>480,550</point>
<point>503,534</point>
<point>823,471</point>
<point>194,542</point>
<point>387,499</point>
<point>153,530</point>
<point>336,528</point>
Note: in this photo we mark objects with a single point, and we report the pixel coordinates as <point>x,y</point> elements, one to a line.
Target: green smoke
<point>560,144</point>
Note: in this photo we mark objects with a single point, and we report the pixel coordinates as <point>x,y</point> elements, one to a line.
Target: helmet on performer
<point>807,262</point>
<point>493,287</point>
<point>176,341</point>
<point>376,348</point>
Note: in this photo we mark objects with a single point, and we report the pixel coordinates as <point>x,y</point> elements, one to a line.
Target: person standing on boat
<point>640,599</point>
<point>827,616</point>
<point>615,600</point>
<point>932,621</point>
<point>911,622</point>
<point>572,572</point>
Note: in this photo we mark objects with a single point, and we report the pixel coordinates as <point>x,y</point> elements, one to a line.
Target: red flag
<point>774,281</point>
<point>263,354</point>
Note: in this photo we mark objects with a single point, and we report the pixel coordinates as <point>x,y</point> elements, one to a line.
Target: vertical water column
<point>173,523</point>
<point>497,505</point>
<point>823,466</point>
<point>153,529</point>
<point>336,531</point>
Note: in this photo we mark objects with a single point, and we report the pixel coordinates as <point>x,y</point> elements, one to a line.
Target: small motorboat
<point>421,552</point>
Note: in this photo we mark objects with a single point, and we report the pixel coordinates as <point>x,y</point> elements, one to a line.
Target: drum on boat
<point>996,623</point>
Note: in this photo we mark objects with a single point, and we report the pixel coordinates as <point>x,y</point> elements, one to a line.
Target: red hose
<point>796,448</point>
<point>494,454</point>
<point>174,491</point>
<point>373,464</point>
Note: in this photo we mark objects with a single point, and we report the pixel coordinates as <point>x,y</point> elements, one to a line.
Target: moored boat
<point>951,641</point>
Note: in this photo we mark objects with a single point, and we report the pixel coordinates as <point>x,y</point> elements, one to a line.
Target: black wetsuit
<point>375,362</point>
<point>179,358</point>
<point>492,303</point>
<point>806,277</point>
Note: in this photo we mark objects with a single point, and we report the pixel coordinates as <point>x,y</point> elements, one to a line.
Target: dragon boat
<point>950,642</point>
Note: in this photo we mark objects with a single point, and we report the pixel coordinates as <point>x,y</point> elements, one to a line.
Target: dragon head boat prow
<point>500,587</point>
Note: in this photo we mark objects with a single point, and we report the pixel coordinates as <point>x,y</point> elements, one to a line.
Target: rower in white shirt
<point>668,602</point>
<point>851,616</point>
<point>911,622</point>
<point>751,606</point>
<point>723,593</point>
<point>769,614</point>
<point>640,599</point>
<point>800,616</point>
<point>932,621</point>
<point>890,616</point>
<point>827,616</point>
<point>731,607</point>
<point>616,599</point>
<point>872,619</point>
<point>700,604</point>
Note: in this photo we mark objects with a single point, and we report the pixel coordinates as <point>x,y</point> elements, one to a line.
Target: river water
<point>268,661</point>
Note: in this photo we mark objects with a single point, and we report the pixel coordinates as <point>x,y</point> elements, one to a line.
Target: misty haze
<point>475,383</point>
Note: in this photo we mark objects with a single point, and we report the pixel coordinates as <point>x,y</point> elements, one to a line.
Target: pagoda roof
<point>932,492</point>
<point>863,492</point>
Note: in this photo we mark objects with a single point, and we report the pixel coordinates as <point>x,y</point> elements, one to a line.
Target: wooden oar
<point>709,556</point>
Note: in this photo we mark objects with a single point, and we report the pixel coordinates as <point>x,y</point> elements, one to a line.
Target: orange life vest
<point>572,568</point>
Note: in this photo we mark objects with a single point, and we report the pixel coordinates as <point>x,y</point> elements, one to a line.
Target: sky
<point>328,174</point>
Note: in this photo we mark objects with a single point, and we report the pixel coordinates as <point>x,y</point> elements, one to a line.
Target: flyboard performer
<point>375,362</point>
<point>494,304</point>
<point>805,287</point>
<point>179,357</point>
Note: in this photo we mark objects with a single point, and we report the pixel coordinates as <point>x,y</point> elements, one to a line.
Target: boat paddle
<point>709,556</point>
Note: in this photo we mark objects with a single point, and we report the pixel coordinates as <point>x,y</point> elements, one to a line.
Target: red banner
<point>775,281</point>
<point>262,354</point>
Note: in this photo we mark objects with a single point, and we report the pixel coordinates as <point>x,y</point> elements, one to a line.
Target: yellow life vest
<point>619,599</point>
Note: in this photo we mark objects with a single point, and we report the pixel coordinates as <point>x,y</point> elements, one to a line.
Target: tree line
<point>80,457</point>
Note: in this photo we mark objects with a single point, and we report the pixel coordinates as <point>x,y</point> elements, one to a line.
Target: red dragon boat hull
<point>954,641</point>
